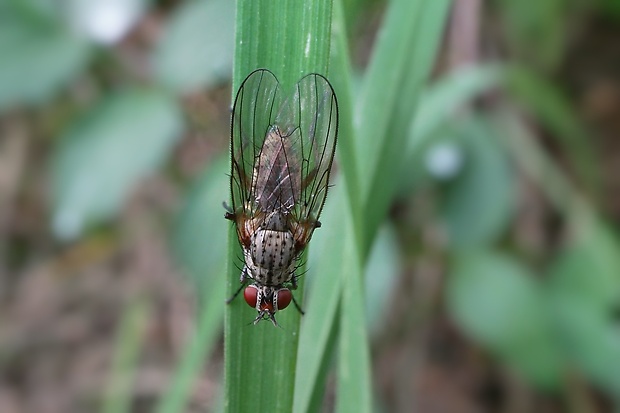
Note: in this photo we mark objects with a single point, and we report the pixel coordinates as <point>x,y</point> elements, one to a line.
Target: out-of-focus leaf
<point>37,62</point>
<point>333,260</point>
<point>199,240</point>
<point>401,63</point>
<point>342,79</point>
<point>354,386</point>
<point>534,162</point>
<point>199,246</point>
<point>440,100</point>
<point>104,21</point>
<point>30,11</point>
<point>478,204</point>
<point>592,340</point>
<point>325,269</point>
<point>536,30</point>
<point>589,270</point>
<point>610,7</point>
<point>496,300</point>
<point>381,273</point>
<point>585,292</point>
<point>434,118</point>
<point>129,341</point>
<point>104,154</point>
<point>196,49</point>
<point>554,112</point>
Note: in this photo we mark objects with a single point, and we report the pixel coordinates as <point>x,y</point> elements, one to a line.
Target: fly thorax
<point>276,221</point>
<point>271,256</point>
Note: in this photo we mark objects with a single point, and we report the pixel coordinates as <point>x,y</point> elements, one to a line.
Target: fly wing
<point>309,118</point>
<point>255,106</point>
<point>277,175</point>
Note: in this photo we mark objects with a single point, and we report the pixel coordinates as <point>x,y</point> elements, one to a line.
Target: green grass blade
<point>401,64</point>
<point>338,269</point>
<point>290,38</point>
<point>384,76</point>
<point>335,249</point>
<point>341,81</point>
<point>444,97</point>
<point>336,284</point>
<point>325,269</point>
<point>354,372</point>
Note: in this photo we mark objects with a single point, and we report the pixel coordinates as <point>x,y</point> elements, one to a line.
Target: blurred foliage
<point>108,151</point>
<point>499,302</point>
<point>199,25</point>
<point>129,133</point>
<point>39,58</point>
<point>477,204</point>
<point>439,174</point>
<point>204,263</point>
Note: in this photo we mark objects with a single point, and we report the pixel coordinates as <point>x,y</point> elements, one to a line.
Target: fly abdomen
<point>272,253</point>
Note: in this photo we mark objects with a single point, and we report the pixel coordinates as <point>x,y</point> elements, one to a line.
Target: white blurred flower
<point>444,160</point>
<point>105,21</point>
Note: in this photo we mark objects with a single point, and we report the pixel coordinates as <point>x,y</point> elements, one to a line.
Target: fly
<point>282,150</point>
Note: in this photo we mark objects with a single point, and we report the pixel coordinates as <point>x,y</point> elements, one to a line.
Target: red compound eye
<point>284,298</point>
<point>250,294</point>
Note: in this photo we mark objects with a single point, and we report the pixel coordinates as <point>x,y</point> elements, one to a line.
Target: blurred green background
<point>493,284</point>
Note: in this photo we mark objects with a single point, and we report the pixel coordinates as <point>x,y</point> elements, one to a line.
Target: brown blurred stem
<point>464,32</point>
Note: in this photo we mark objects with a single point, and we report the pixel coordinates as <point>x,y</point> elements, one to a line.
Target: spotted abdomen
<point>272,253</point>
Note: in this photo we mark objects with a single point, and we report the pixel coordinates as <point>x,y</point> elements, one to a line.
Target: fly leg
<point>297,305</point>
<point>230,300</point>
<point>243,280</point>
<point>294,287</point>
